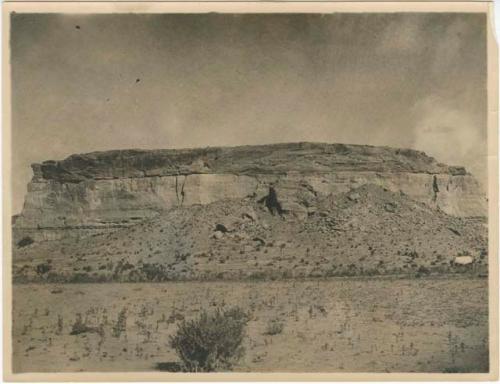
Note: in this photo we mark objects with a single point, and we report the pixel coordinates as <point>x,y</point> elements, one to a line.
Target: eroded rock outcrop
<point>102,191</point>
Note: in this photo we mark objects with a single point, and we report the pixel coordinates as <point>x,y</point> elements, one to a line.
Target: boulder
<point>218,235</point>
<point>250,214</point>
<point>390,207</point>
<point>221,228</point>
<point>353,196</point>
<point>463,260</point>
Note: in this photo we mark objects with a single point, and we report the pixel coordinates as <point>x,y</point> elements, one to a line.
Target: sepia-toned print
<point>249,193</point>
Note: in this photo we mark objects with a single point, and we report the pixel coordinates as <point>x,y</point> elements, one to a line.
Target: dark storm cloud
<point>95,82</point>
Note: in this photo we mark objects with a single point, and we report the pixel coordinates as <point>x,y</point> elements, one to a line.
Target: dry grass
<point>426,325</point>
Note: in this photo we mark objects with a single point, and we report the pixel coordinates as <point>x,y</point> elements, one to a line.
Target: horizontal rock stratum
<point>101,191</point>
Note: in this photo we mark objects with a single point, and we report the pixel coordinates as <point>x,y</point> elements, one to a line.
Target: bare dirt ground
<point>336,325</point>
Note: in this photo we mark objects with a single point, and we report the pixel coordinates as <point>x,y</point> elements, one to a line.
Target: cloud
<point>451,135</point>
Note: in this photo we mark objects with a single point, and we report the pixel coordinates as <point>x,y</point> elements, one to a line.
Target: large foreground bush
<point>211,342</point>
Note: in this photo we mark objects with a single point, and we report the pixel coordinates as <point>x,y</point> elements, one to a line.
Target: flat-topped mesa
<point>102,191</point>
<point>244,160</point>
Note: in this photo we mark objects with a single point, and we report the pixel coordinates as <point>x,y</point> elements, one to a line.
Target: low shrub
<point>25,241</point>
<point>422,271</point>
<point>43,268</point>
<point>211,342</point>
<point>80,327</point>
<point>274,327</point>
<point>120,326</point>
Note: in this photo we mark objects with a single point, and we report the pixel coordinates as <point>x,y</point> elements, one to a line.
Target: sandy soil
<point>337,325</point>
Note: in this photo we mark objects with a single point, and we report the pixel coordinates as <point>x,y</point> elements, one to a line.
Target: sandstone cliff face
<point>102,191</point>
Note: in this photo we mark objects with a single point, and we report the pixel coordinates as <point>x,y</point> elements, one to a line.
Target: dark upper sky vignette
<point>82,83</point>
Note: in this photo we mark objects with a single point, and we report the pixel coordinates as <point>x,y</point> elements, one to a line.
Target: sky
<point>82,83</point>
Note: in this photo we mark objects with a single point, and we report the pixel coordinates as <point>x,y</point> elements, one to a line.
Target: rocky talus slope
<point>103,192</point>
<point>369,230</point>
